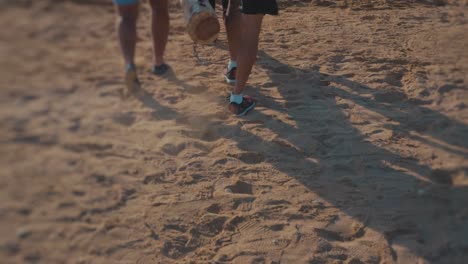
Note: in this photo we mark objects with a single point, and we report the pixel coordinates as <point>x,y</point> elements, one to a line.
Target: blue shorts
<point>125,2</point>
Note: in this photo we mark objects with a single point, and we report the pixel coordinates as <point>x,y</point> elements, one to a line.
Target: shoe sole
<point>248,109</point>
<point>161,70</point>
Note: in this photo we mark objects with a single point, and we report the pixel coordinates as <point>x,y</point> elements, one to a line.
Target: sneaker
<point>230,75</point>
<point>248,103</point>
<point>160,70</point>
<point>131,79</point>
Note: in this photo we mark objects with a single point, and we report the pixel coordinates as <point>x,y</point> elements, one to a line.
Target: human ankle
<point>158,61</point>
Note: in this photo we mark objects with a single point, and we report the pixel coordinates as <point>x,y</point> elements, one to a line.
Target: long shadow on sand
<point>407,202</point>
<point>356,175</point>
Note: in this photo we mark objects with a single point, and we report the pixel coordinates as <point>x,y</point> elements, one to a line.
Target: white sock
<point>130,66</point>
<point>232,64</point>
<point>236,98</point>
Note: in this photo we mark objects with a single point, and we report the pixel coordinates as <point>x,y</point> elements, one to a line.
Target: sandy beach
<point>356,153</point>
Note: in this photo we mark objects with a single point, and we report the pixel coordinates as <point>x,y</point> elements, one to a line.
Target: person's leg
<point>126,29</point>
<point>160,29</point>
<point>127,12</point>
<point>232,22</point>
<point>251,24</point>
<point>247,54</point>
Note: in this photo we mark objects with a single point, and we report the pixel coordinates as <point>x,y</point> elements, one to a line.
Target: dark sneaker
<point>160,70</point>
<point>230,75</point>
<point>248,103</point>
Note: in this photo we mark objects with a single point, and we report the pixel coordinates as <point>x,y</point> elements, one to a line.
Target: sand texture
<point>356,153</point>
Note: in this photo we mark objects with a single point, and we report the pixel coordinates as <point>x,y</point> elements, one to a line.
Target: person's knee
<point>160,8</point>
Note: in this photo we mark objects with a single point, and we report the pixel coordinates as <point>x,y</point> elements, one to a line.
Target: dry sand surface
<point>357,152</point>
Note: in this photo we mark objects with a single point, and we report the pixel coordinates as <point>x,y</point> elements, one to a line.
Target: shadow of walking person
<point>341,184</point>
<point>339,153</point>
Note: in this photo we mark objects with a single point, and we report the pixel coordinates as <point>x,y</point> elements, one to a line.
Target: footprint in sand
<point>64,91</point>
<point>195,165</point>
<point>125,119</point>
<point>155,178</point>
<point>87,146</point>
<point>176,227</point>
<point>28,98</point>
<point>233,223</point>
<point>192,178</point>
<point>336,59</point>
<point>266,239</point>
<point>176,247</point>
<point>441,176</point>
<point>447,88</point>
<point>78,193</point>
<point>249,157</point>
<point>206,193</point>
<point>239,187</point>
<point>209,225</point>
<point>214,208</point>
<point>23,211</point>
<point>394,79</point>
<point>276,227</point>
<point>173,149</point>
<point>10,248</point>
<point>75,124</point>
<point>283,70</point>
<point>251,227</point>
<point>101,179</point>
<point>243,204</point>
<point>208,134</point>
<point>355,261</point>
<point>35,140</point>
<point>368,17</point>
<point>104,199</point>
<point>343,229</point>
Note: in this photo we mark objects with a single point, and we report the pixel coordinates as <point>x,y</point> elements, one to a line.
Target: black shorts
<point>253,7</point>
